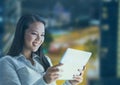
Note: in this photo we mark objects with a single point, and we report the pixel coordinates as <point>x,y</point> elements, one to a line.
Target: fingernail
<point>83,67</point>
<point>80,74</point>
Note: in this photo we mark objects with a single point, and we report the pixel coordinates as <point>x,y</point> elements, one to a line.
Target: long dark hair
<point>18,41</point>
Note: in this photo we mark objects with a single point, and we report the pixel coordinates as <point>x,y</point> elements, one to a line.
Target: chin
<point>34,50</point>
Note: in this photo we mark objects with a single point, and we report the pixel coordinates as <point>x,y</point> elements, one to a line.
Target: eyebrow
<point>36,31</point>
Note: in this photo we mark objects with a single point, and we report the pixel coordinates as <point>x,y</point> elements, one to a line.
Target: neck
<point>27,53</point>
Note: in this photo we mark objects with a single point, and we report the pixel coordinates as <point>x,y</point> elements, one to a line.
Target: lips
<point>36,44</point>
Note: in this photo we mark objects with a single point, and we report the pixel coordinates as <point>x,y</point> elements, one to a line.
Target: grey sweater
<point>19,71</point>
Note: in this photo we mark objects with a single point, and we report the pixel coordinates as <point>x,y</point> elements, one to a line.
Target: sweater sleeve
<point>42,82</point>
<point>8,75</point>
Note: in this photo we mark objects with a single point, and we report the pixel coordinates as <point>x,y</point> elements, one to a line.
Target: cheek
<point>29,39</point>
<point>42,39</point>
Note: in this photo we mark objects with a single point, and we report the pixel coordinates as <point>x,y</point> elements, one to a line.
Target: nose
<point>37,38</point>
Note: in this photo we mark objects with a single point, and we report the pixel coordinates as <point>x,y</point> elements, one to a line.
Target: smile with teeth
<point>36,44</point>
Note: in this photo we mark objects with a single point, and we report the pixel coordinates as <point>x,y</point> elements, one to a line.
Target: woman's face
<point>34,36</point>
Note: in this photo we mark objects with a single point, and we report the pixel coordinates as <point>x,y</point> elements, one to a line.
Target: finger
<point>52,75</point>
<point>58,65</point>
<point>84,67</point>
<point>79,70</point>
<point>82,73</point>
<point>53,69</point>
<point>55,76</point>
<point>78,78</point>
<point>55,73</point>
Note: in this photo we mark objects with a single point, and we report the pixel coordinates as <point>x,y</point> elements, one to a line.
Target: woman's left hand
<point>77,78</point>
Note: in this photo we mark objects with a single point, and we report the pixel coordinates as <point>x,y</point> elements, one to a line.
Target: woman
<point>25,63</point>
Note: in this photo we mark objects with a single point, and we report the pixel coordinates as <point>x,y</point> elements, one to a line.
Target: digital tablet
<point>73,60</point>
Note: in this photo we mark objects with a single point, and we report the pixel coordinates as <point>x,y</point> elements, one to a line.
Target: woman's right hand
<point>52,73</point>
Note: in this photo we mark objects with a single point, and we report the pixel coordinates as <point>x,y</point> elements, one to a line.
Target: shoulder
<point>6,58</point>
<point>8,61</point>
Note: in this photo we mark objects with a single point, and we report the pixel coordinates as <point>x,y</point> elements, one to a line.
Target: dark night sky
<point>76,7</point>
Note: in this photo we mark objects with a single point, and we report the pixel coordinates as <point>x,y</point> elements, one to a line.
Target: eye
<point>33,33</point>
<point>42,35</point>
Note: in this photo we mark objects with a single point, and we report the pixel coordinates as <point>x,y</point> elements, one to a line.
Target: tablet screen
<point>73,60</point>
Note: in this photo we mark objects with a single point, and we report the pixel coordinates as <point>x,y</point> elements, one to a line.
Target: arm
<point>8,75</point>
<point>42,82</point>
<point>66,82</point>
<point>78,79</point>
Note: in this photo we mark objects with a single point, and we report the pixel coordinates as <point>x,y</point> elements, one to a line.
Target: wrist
<point>72,82</point>
<point>45,79</point>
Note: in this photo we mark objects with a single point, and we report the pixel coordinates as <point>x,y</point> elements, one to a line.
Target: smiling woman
<point>34,36</point>
<point>25,63</point>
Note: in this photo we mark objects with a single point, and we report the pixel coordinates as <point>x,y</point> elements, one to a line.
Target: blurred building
<point>1,24</point>
<point>74,13</point>
<point>118,44</point>
<point>110,44</point>
<point>12,12</point>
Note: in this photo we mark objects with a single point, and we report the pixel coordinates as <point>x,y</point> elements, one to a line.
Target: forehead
<point>36,26</point>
